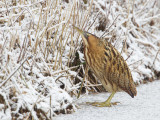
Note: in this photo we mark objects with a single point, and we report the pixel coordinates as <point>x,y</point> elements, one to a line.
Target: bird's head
<point>89,39</point>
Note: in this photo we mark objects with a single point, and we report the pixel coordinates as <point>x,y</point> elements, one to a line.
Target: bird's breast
<point>94,61</point>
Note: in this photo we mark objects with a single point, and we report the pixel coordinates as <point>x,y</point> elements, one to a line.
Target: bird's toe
<point>100,104</point>
<point>115,103</point>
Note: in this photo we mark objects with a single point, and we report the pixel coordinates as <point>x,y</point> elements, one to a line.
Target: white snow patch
<point>145,106</point>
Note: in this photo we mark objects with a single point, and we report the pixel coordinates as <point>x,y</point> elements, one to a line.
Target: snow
<point>145,106</point>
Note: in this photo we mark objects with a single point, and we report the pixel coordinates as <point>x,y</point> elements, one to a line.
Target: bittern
<point>108,66</point>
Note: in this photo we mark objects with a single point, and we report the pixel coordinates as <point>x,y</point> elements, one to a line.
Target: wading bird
<point>108,66</point>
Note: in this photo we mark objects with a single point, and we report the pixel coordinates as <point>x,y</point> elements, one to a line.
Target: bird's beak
<point>83,34</point>
<point>79,30</point>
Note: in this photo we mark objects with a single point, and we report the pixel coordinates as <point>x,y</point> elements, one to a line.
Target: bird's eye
<point>86,35</point>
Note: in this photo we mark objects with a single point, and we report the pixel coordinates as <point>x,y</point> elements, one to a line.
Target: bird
<point>108,66</point>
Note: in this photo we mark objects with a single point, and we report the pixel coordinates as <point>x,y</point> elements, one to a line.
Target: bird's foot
<point>103,104</point>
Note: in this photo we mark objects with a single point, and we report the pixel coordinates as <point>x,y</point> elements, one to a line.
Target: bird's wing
<point>118,71</point>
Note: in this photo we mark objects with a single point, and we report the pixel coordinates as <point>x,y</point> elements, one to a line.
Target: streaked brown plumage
<point>108,66</point>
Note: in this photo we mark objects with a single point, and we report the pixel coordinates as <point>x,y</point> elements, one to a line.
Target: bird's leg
<point>106,103</point>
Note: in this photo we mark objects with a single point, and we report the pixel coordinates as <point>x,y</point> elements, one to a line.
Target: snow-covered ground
<point>145,106</point>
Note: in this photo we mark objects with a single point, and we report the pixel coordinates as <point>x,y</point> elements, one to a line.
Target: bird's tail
<point>132,90</point>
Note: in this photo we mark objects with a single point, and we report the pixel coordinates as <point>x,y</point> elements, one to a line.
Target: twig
<point>145,43</point>
<point>93,21</point>
<point>110,26</point>
<point>129,56</point>
<point>64,70</point>
<point>135,62</point>
<point>109,10</point>
<point>86,17</point>
<point>29,57</point>
<point>155,57</point>
<point>118,39</point>
<point>123,46</point>
<point>93,85</point>
<point>7,8</point>
<point>50,107</point>
<point>144,6</point>
<point>86,71</point>
<point>25,9</point>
